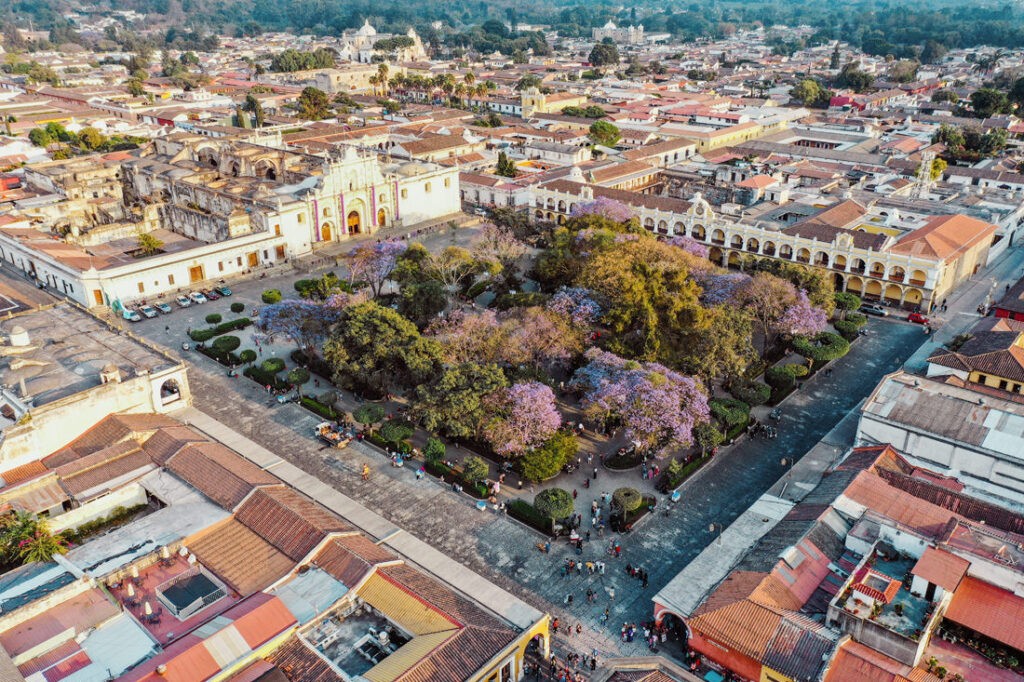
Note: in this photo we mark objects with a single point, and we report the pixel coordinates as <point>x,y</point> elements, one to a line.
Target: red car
<point>918,318</point>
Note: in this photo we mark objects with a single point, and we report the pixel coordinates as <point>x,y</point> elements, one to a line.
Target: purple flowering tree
<point>374,263</point>
<point>657,406</point>
<point>526,417</point>
<point>577,304</point>
<point>689,245</point>
<point>604,207</point>
<point>802,317</point>
<point>305,322</point>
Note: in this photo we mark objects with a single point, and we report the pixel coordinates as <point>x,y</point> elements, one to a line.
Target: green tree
<point>932,51</point>
<point>135,88</point>
<point>806,92</point>
<point>313,104</point>
<point>987,102</point>
<point>554,503</point>
<point>1016,93</point>
<point>433,450</point>
<point>474,469</point>
<point>506,167</point>
<point>148,244</point>
<point>834,60</point>
<point>368,414</point>
<point>373,347</point>
<point>40,137</point>
<point>298,376</point>
<point>846,302</point>
<point>546,461</point>
<point>253,106</point>
<point>605,53</point>
<point>707,437</point>
<point>456,401</point>
<point>852,77</point>
<point>604,133</point>
<point>945,96</point>
<point>627,500</point>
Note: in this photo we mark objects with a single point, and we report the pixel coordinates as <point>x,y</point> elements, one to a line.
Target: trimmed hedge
<point>521,300</point>
<point>226,344</point>
<point>822,348</point>
<point>859,319</point>
<point>237,307</point>
<point>201,335</point>
<point>298,376</point>
<point>317,407</point>
<point>226,358</point>
<point>846,329</point>
<point>730,413</point>
<point>271,296</point>
<point>783,377</point>
<point>264,378</point>
<point>627,499</point>
<point>213,318</point>
<point>522,510</point>
<point>752,393</point>
<point>248,355</point>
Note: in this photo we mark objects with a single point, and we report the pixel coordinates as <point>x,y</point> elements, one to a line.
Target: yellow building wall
<point>994,381</point>
<point>518,647</point>
<point>769,675</point>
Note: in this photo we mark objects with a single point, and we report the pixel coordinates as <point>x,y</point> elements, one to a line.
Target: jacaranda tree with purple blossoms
<point>719,288</point>
<point>525,417</point>
<point>604,207</point>
<point>802,318</point>
<point>690,245</point>
<point>658,407</point>
<point>305,322</point>
<point>374,263</point>
<point>577,304</point>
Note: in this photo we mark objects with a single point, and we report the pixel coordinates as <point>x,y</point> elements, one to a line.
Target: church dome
<point>367,31</point>
<point>412,168</point>
<point>610,26</point>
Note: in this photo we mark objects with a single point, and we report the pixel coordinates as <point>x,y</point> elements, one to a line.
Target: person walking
<point>366,472</point>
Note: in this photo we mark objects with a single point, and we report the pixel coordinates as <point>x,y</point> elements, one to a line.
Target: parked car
<point>149,311</point>
<point>917,318</point>
<point>131,315</point>
<point>223,290</point>
<point>183,300</point>
<point>197,297</point>
<point>211,295</point>
<point>164,308</point>
<point>873,309</point>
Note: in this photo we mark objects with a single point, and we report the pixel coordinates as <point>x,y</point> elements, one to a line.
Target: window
<point>1003,384</point>
<point>1016,388</point>
<point>220,266</point>
<point>239,261</point>
<point>302,218</point>
<point>170,280</point>
<point>266,255</point>
<point>426,188</point>
<point>277,230</point>
<point>405,194</point>
<point>142,288</point>
<point>327,211</point>
<point>982,378</point>
<point>447,182</point>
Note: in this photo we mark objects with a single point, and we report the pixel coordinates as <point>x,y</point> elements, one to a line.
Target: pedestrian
<point>568,599</point>
<point>554,628</point>
<point>579,629</point>
<point>167,328</point>
<point>611,594</point>
<point>366,472</point>
<point>575,494</point>
<point>605,616</point>
<point>595,473</point>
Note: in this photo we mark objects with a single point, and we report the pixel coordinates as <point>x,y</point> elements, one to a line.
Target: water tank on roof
<point>18,336</point>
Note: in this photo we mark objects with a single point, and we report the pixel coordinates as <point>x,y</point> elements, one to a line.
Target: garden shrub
<point>554,503</point>
<point>395,432</point>
<point>846,329</point>
<point>477,289</point>
<point>318,407</point>
<point>859,319</point>
<point>729,412</point>
<point>247,356</point>
<point>298,376</point>
<point>474,469</point>
<point>846,301</point>
<point>315,363</point>
<point>520,300</point>
<point>237,307</point>
<point>821,348</point>
<point>264,378</point>
<point>226,344</point>
<point>201,335</point>
<point>627,499</point>
<point>213,318</point>
<point>368,414</point>
<point>751,392</point>
<point>271,296</point>
<point>528,514</point>
<point>783,377</point>
<point>433,450</point>
<point>272,365</point>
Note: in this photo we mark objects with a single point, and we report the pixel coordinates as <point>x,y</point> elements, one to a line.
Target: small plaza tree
<point>554,503</point>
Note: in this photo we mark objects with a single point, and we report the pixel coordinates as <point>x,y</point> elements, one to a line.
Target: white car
<point>148,311</point>
<point>131,315</point>
<point>183,301</point>
<point>197,297</point>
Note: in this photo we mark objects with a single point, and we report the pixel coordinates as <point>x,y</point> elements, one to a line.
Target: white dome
<point>367,30</point>
<point>610,25</point>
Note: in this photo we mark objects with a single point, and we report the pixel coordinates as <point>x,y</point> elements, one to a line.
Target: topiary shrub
<point>546,461</point>
<point>528,299</point>
<point>554,503</point>
<point>730,413</point>
<point>247,356</point>
<point>859,319</point>
<point>271,296</point>
<point>226,344</point>
<point>201,335</point>
<point>845,301</point>
<point>298,376</point>
<point>213,318</point>
<point>272,365</point>
<point>846,329</point>
<point>474,469</point>
<point>394,432</point>
<point>821,348</point>
<point>752,393</point>
<point>627,500</point>
<point>237,307</point>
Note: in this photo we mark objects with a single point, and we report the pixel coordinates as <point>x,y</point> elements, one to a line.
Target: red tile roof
<point>299,663</point>
<point>22,473</point>
<point>243,559</point>
<point>990,610</point>
<point>292,523</point>
<point>941,568</point>
<point>217,472</point>
<point>260,618</point>
<point>945,237</point>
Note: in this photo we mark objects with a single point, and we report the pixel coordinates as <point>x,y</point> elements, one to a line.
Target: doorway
<point>382,218</point>
<point>325,232</point>
<point>195,274</point>
<point>253,259</point>
<point>354,223</point>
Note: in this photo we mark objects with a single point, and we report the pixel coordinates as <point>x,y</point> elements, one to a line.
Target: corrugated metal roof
<point>411,613</point>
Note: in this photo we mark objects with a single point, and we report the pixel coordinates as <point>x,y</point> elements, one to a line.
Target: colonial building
<point>358,45</point>
<point>919,268</point>
<point>218,207</point>
<point>627,35</point>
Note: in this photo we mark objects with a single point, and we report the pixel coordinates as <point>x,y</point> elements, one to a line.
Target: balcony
<point>718,242</point>
<point>769,252</point>
<point>897,278</point>
<point>858,271</point>
<point>802,259</point>
<point>916,282</point>
<point>752,249</point>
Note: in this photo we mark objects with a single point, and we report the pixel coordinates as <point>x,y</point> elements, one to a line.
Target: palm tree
<point>382,76</point>
<point>469,78</point>
<point>25,538</point>
<point>42,546</point>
